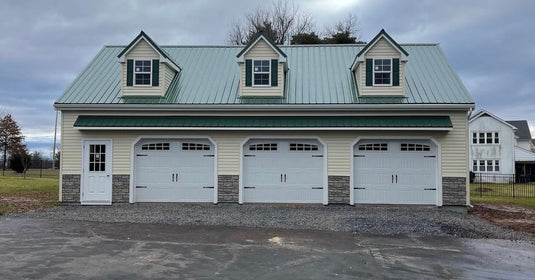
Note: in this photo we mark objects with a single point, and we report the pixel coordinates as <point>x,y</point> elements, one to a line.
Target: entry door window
<point>97,157</point>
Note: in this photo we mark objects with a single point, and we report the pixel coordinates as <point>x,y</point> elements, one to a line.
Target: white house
<point>499,147</point>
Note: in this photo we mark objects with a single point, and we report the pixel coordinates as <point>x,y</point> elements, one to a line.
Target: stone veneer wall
<point>120,188</point>
<point>453,191</point>
<point>338,189</point>
<point>70,188</point>
<point>228,188</point>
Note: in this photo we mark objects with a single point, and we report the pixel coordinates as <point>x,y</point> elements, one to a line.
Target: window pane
<point>496,138</point>
<point>496,165</point>
<point>261,79</point>
<point>481,138</point>
<point>142,79</point>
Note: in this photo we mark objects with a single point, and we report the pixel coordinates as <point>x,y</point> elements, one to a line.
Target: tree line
<point>285,23</point>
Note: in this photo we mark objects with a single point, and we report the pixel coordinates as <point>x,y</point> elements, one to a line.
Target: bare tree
<point>347,26</point>
<point>10,137</point>
<point>280,22</point>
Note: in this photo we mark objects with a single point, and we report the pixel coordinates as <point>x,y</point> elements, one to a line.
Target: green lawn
<point>502,190</point>
<point>502,193</point>
<point>19,195</point>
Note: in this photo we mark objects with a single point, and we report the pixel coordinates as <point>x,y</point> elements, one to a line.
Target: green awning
<point>284,122</point>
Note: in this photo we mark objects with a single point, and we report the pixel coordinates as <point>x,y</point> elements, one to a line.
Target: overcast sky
<point>45,44</point>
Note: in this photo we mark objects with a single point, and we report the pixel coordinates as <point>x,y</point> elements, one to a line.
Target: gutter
<point>263,107</point>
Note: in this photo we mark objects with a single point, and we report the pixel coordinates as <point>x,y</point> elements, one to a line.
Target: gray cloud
<point>45,44</point>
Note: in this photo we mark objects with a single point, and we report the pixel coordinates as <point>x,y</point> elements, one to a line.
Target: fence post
<point>514,180</point>
<point>480,185</point>
<point>41,170</point>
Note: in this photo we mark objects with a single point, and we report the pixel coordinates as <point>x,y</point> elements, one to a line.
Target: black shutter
<point>155,72</point>
<point>395,72</point>
<point>274,72</point>
<point>248,73</point>
<point>369,72</point>
<point>130,72</point>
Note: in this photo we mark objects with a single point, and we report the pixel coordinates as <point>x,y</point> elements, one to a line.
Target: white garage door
<point>283,171</point>
<point>395,172</point>
<point>174,171</point>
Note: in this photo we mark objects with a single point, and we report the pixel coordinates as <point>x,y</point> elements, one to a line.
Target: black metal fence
<point>36,169</point>
<point>502,185</point>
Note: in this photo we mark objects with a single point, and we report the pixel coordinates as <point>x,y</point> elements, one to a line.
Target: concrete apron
<point>70,249</point>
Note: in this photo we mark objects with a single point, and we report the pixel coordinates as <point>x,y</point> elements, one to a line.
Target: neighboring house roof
<point>522,132</point>
<point>318,74</point>
<point>293,122</point>
<point>482,113</point>
<point>523,155</point>
<point>155,46</point>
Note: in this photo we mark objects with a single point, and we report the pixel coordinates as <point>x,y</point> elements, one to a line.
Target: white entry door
<point>283,171</point>
<point>96,180</point>
<point>174,170</point>
<point>395,172</point>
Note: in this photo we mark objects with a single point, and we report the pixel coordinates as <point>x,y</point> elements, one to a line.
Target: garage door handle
<point>430,189</point>
<point>209,155</point>
<point>281,178</point>
<point>141,155</point>
<point>248,187</point>
<point>284,178</point>
<point>317,188</point>
<point>317,155</point>
<point>173,175</point>
<point>357,188</point>
<point>392,179</point>
<point>396,178</point>
<point>249,155</point>
<point>358,155</point>
<point>430,156</point>
<point>207,187</point>
<point>141,187</point>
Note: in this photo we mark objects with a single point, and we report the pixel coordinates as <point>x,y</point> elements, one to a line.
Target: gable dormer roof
<point>164,57</point>
<point>382,34</point>
<point>261,36</point>
<point>482,113</point>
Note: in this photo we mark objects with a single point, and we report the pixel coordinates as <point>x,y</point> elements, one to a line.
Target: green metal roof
<point>265,121</point>
<point>318,74</point>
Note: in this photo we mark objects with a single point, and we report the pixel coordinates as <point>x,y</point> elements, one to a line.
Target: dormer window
<point>382,71</point>
<point>261,72</point>
<point>142,72</point>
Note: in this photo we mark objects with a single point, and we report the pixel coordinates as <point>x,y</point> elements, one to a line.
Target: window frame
<point>268,72</point>
<point>150,73</point>
<point>389,72</point>
<point>481,137</point>
<point>478,168</point>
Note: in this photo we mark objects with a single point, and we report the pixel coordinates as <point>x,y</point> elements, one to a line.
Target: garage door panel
<point>395,172</point>
<point>174,170</point>
<point>283,171</point>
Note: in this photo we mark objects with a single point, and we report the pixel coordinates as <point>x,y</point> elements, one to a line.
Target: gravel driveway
<point>386,220</point>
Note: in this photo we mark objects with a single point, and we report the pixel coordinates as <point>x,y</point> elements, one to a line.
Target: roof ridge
<point>282,46</point>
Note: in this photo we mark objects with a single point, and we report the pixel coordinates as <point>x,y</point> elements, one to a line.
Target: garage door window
<point>263,147</point>
<point>155,147</point>
<point>195,147</point>
<point>374,147</point>
<point>414,147</point>
<point>303,147</point>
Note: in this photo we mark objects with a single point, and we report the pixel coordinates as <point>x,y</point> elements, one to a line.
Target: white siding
<point>503,151</point>
<point>382,49</point>
<point>262,51</point>
<point>454,144</point>
<point>144,51</point>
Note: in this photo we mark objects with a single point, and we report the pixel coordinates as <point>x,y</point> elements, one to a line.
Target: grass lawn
<point>20,195</point>
<point>529,202</point>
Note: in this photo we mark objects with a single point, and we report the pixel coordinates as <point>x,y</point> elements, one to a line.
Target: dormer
<point>146,69</point>
<point>379,68</point>
<point>262,68</point>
